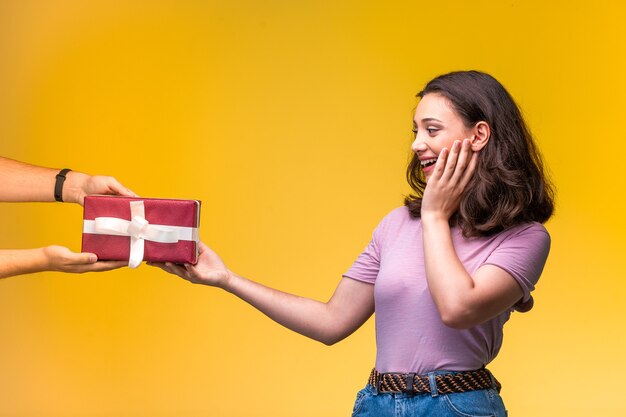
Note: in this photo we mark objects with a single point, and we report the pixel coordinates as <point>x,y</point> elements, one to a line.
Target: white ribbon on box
<point>139,230</point>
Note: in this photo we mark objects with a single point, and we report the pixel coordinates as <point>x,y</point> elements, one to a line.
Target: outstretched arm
<point>51,258</point>
<point>25,182</point>
<point>327,322</point>
<point>463,300</point>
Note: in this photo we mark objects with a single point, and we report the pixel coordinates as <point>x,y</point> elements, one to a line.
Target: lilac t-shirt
<point>410,335</point>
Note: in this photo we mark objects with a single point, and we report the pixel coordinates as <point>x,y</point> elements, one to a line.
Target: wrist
<point>42,260</point>
<point>73,188</point>
<point>229,282</point>
<point>433,217</point>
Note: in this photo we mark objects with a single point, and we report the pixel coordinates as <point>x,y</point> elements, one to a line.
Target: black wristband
<point>58,187</point>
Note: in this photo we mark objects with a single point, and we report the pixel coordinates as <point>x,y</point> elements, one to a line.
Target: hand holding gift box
<point>141,229</point>
<point>28,183</point>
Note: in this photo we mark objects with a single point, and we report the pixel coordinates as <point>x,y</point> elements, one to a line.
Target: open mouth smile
<point>428,162</point>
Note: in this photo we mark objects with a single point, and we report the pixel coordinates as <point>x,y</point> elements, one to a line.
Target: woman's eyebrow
<point>426,120</point>
<point>431,119</point>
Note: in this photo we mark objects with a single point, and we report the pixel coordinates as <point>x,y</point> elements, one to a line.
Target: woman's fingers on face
<point>440,164</point>
<point>464,156</point>
<point>449,164</point>
<point>470,169</point>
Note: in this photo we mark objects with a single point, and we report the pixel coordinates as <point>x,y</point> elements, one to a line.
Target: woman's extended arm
<point>349,307</point>
<point>463,300</point>
<point>51,258</point>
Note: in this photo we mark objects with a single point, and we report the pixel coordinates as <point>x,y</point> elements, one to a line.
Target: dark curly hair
<point>509,185</point>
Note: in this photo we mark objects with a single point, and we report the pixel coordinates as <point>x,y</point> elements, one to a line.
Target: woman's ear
<point>482,133</point>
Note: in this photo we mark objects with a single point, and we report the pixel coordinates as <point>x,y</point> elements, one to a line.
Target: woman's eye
<point>414,131</point>
<point>431,130</point>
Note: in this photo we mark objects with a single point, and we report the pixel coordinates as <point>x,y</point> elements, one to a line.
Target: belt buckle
<point>409,380</point>
<point>378,381</point>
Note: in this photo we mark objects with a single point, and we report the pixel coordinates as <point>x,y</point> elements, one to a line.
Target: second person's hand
<point>210,269</point>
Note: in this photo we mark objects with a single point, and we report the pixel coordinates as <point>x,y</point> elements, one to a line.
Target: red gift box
<point>136,229</point>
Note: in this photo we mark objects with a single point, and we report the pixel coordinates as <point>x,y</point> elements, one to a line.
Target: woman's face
<point>436,126</point>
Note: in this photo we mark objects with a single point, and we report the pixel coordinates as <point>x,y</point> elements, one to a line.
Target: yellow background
<point>291,122</point>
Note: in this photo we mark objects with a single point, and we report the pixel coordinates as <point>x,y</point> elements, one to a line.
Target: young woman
<point>444,272</point>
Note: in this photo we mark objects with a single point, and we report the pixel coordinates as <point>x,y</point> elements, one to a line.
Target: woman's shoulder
<point>531,232</point>
<point>395,220</point>
<point>399,215</point>
<point>527,228</point>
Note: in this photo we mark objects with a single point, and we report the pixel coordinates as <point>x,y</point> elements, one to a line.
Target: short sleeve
<point>523,255</point>
<point>367,265</point>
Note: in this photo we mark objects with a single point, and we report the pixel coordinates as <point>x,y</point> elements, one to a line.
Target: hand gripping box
<point>141,229</point>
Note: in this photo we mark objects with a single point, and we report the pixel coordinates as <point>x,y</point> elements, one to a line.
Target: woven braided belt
<point>446,383</point>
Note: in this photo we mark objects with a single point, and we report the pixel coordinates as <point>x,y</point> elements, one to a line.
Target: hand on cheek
<point>453,170</point>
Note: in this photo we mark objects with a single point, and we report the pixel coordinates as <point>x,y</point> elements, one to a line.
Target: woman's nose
<point>418,144</point>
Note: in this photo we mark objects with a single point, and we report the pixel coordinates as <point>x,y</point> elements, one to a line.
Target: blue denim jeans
<point>480,403</point>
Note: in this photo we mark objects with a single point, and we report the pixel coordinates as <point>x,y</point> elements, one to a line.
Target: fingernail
<point>93,258</point>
